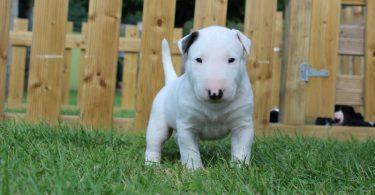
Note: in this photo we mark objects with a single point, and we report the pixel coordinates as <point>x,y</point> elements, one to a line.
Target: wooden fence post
<point>129,73</point>
<point>47,58</point>
<point>4,40</point>
<point>210,12</point>
<point>82,64</point>
<point>324,44</point>
<point>158,23</point>
<point>296,51</point>
<point>99,83</point>
<point>17,69</point>
<point>65,79</point>
<point>259,25</point>
<point>370,62</point>
<point>177,58</point>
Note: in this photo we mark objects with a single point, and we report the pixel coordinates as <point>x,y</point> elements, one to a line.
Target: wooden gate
<point>312,37</point>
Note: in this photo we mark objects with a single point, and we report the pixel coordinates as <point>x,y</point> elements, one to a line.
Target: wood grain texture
<point>177,58</point>
<point>5,6</point>
<point>358,65</point>
<point>334,132</point>
<point>82,63</point>
<point>370,62</point>
<point>351,47</point>
<point>351,40</point>
<point>210,12</point>
<point>47,59</point>
<point>276,60</point>
<point>79,41</point>
<point>325,26</point>
<point>353,2</point>
<point>130,70</point>
<point>358,15</point>
<point>350,90</point>
<point>346,20</point>
<point>259,25</point>
<point>158,23</point>
<point>99,83</point>
<point>359,61</point>
<point>65,78</point>
<point>296,51</point>
<point>120,125</point>
<point>352,31</point>
<point>17,69</point>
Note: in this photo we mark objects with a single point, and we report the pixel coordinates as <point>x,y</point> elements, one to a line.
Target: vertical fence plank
<point>158,23</point>
<point>82,63</point>
<point>47,58</point>
<point>324,44</point>
<point>99,83</point>
<point>296,51</point>
<point>352,65</point>
<point>129,74</point>
<point>176,58</point>
<point>65,79</point>
<point>346,61</point>
<point>358,15</point>
<point>370,62</point>
<point>17,69</point>
<point>276,60</point>
<point>358,61</point>
<point>4,40</point>
<point>210,12</point>
<point>259,24</point>
<point>358,65</point>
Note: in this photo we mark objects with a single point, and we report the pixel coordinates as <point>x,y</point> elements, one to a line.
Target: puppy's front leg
<point>189,150</point>
<point>242,138</point>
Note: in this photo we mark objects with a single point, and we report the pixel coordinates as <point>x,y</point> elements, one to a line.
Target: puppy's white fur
<point>183,103</point>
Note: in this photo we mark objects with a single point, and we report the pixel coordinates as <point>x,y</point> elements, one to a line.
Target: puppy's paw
<point>193,166</point>
<point>152,158</point>
<point>238,164</point>
<point>150,163</point>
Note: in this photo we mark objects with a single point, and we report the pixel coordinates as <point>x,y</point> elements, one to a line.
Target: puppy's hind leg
<point>157,133</point>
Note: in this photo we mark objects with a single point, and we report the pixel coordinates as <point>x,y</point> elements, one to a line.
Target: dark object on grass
<point>344,116</point>
<point>350,117</point>
<point>274,115</point>
<point>324,121</point>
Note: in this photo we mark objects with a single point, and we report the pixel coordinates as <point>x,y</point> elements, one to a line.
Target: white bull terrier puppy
<point>210,100</point>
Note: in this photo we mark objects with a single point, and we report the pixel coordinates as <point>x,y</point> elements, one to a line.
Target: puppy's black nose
<point>215,96</point>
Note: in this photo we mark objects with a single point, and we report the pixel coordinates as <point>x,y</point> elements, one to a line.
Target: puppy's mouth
<point>216,101</point>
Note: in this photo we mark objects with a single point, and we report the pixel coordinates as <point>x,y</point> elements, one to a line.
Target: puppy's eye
<point>231,60</point>
<point>199,60</point>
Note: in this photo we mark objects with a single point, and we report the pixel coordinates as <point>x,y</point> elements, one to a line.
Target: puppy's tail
<point>169,72</point>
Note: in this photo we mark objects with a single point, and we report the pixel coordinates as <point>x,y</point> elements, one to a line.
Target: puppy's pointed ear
<point>246,42</point>
<point>185,43</point>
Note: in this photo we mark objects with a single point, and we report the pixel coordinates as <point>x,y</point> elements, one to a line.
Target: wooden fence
<point>310,31</point>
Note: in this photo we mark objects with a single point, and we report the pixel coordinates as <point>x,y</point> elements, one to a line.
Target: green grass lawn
<point>46,160</point>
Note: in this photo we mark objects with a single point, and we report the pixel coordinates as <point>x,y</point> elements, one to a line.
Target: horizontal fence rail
<point>126,44</point>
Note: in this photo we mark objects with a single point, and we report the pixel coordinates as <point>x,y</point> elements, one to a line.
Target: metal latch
<point>307,71</point>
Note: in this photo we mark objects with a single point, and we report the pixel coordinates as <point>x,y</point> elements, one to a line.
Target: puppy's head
<point>214,61</point>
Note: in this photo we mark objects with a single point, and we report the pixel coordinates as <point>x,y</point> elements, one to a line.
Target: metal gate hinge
<point>307,71</point>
